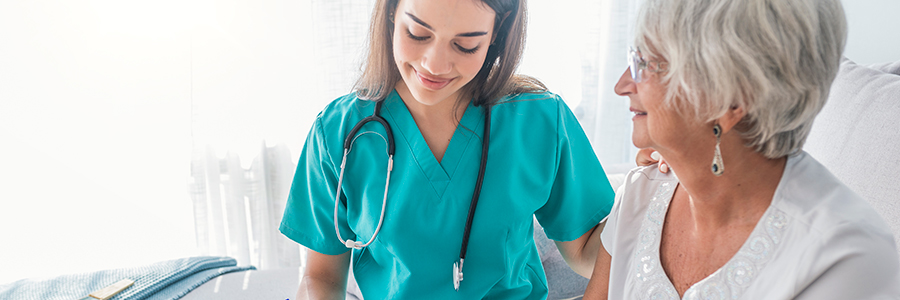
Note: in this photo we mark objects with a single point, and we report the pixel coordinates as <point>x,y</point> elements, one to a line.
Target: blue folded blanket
<point>165,280</point>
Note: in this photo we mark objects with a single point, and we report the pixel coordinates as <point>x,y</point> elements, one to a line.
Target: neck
<point>740,196</point>
<point>451,109</point>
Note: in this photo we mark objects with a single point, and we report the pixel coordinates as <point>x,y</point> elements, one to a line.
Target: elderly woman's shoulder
<point>641,184</point>
<point>816,199</point>
<point>650,173</point>
<point>832,233</point>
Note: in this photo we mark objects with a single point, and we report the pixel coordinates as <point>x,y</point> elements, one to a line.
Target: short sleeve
<point>581,195</point>
<point>607,236</point>
<point>309,214</point>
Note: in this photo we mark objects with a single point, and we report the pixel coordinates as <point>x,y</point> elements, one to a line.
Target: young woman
<point>445,180</point>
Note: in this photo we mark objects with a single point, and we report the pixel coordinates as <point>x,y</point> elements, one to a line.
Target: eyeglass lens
<point>633,65</point>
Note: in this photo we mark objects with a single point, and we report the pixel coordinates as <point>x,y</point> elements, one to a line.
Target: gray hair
<point>774,58</point>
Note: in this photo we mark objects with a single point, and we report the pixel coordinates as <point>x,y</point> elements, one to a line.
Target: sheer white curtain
<point>94,135</point>
<point>262,71</point>
<point>578,49</point>
<point>260,74</point>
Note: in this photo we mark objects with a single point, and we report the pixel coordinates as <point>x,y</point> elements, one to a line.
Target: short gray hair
<point>774,58</point>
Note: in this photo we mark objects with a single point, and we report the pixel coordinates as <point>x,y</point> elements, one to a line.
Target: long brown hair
<point>496,78</point>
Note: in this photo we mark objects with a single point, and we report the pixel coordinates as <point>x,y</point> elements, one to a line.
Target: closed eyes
<point>425,38</point>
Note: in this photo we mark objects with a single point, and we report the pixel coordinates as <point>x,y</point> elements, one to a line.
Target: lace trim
<point>728,282</point>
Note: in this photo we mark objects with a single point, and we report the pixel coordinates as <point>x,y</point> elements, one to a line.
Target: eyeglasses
<point>637,65</point>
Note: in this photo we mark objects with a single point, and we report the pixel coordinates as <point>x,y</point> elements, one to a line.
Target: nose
<point>437,60</point>
<point>626,85</point>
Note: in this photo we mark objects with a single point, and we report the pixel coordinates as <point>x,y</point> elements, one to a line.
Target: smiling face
<point>657,125</point>
<point>439,46</point>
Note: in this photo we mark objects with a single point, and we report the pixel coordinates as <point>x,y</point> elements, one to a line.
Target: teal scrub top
<point>540,164</point>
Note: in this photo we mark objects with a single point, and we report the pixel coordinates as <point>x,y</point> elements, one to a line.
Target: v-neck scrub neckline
<point>439,173</point>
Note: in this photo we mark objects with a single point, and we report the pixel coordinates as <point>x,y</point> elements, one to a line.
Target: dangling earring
<point>717,167</point>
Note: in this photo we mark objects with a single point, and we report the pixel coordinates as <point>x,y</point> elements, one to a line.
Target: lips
<point>433,83</point>
<point>637,113</point>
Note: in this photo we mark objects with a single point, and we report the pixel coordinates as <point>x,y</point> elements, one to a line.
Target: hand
<point>648,156</point>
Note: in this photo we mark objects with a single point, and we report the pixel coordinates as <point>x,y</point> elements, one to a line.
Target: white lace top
<point>817,240</point>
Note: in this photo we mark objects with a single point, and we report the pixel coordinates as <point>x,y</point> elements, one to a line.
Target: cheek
<point>659,118</point>
<point>661,121</point>
<point>674,131</point>
<point>470,64</point>
<point>403,50</point>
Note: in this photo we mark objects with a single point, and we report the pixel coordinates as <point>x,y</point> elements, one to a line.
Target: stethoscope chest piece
<point>457,274</point>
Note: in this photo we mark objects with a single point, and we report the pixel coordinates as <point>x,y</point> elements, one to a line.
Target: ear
<point>731,118</point>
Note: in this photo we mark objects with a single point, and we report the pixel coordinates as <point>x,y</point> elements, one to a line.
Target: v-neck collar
<point>440,173</point>
<point>727,282</point>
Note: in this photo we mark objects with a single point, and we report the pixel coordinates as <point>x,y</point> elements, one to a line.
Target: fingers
<point>648,156</point>
<point>645,157</point>
<point>663,166</point>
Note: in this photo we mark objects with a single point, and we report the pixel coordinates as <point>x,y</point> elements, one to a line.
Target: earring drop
<point>717,167</point>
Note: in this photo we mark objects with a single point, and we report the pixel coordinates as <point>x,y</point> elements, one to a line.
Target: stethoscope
<point>348,143</point>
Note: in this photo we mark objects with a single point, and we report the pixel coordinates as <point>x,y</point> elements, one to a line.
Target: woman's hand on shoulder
<point>648,156</point>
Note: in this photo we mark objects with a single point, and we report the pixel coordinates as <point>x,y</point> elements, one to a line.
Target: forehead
<point>450,15</point>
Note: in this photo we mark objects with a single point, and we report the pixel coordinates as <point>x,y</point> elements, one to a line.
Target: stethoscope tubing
<point>374,117</point>
<point>473,204</point>
<point>351,243</point>
<point>348,142</point>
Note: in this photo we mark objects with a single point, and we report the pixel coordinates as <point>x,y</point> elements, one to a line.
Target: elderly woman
<point>726,91</point>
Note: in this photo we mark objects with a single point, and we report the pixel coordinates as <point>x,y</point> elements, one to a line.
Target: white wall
<point>874,30</point>
<point>94,136</point>
<point>95,115</point>
<point>97,102</point>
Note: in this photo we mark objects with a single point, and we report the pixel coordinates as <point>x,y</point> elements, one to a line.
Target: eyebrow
<point>465,34</point>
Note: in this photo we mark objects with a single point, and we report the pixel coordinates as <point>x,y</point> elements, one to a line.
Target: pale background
<point>96,112</point>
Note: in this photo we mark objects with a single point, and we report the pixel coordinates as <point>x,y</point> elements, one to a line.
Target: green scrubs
<point>540,163</point>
